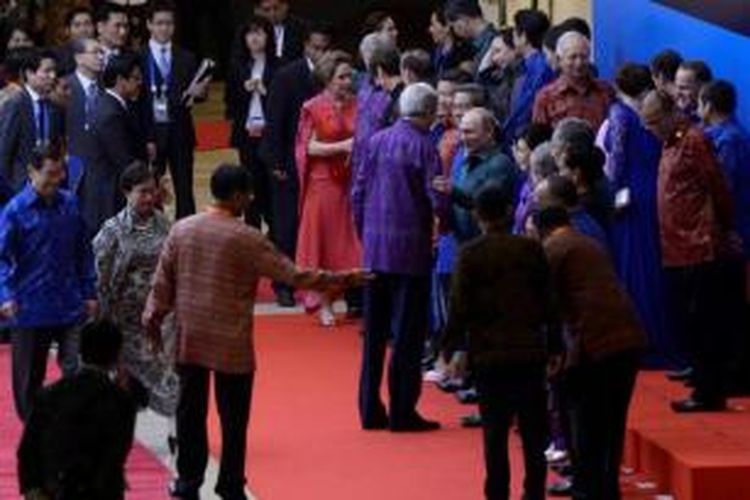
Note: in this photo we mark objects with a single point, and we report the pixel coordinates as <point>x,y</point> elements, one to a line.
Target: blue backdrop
<point>634,30</point>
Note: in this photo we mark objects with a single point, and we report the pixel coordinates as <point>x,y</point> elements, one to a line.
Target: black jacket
<point>77,439</point>
<point>237,99</point>
<point>291,87</point>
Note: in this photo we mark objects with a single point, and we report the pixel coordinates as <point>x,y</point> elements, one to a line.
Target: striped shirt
<point>208,274</point>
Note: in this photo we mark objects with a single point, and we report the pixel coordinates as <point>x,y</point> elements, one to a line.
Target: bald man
<point>576,93</point>
<point>484,163</point>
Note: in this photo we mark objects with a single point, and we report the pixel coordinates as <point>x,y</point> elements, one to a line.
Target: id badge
<point>161,109</point>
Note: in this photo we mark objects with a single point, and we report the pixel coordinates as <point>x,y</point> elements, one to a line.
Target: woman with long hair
<point>251,68</point>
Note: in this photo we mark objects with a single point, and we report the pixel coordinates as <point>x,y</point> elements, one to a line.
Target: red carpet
<point>212,134</point>
<point>304,436</point>
<point>701,456</point>
<point>147,477</point>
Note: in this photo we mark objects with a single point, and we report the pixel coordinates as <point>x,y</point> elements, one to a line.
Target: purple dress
<point>634,155</point>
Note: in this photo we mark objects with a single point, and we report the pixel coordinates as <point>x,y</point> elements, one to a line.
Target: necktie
<point>91,98</point>
<point>41,128</point>
<point>164,65</point>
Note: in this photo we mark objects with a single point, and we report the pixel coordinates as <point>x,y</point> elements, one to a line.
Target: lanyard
<point>154,70</point>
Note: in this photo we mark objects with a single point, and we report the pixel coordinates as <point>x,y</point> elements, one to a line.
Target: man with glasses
<point>85,93</point>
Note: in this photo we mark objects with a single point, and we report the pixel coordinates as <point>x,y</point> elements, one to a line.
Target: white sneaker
<point>327,318</point>
<point>434,376</point>
<point>553,455</point>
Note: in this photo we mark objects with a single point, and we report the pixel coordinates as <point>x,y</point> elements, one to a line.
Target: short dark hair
<point>33,59</point>
<point>492,202</point>
<point>634,79</point>
<point>134,174</point>
<point>701,69</point>
<point>387,59</point>
<point>375,20</point>
<point>563,190</point>
<point>721,95</point>
<point>325,68</point>
<point>120,66</point>
<point>548,219</point>
<point>318,28</point>
<point>157,6</point>
<point>418,62</point>
<point>535,134</point>
<point>107,10</point>
<point>551,37</point>
<point>477,92</point>
<point>462,8</point>
<point>46,152</point>
<point>456,75</point>
<point>14,60</point>
<point>228,180</point>
<point>532,23</point>
<point>665,64</point>
<point>73,13</point>
<point>576,24</point>
<point>507,36</point>
<point>439,13</point>
<point>101,342</point>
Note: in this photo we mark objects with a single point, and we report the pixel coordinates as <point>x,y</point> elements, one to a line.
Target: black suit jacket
<point>294,39</point>
<point>77,439</point>
<point>292,86</point>
<point>18,132</point>
<point>66,61</point>
<point>184,66</point>
<point>237,99</point>
<point>79,138</point>
<point>116,141</point>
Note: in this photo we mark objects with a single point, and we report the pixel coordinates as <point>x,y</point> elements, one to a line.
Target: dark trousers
<point>259,210</point>
<point>598,395</point>
<point>503,394</point>
<point>284,209</point>
<point>699,307</point>
<point>179,156</point>
<point>30,351</point>
<point>233,396</point>
<point>396,307</point>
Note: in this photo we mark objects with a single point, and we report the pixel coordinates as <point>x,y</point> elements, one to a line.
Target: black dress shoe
<point>415,424</point>
<point>471,421</point>
<point>179,489</point>
<point>697,406</point>
<point>285,298</point>
<point>376,424</point>
<point>680,375</point>
<point>561,488</point>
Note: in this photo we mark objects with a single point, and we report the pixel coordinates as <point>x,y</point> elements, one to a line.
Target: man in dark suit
<point>79,24</point>
<point>168,71</point>
<point>116,141</point>
<point>112,28</point>
<point>290,88</point>
<point>85,93</point>
<point>289,31</point>
<point>81,429</point>
<point>28,120</point>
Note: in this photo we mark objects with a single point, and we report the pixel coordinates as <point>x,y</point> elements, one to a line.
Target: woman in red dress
<point>327,238</point>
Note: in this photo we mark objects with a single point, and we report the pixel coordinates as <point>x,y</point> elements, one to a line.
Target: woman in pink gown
<point>327,238</point>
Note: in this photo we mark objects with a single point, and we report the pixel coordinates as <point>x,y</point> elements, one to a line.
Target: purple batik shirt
<point>393,200</point>
<point>372,106</point>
